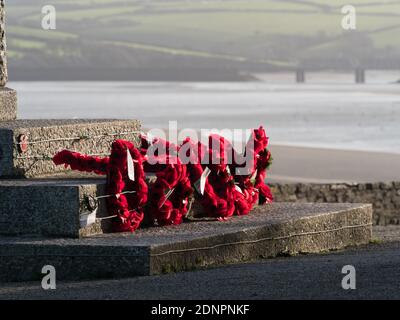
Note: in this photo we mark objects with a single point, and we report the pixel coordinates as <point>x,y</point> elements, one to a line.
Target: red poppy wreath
<point>223,186</point>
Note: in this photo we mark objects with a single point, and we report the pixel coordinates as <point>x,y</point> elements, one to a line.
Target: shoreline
<point>306,164</point>
<point>317,146</point>
<point>294,164</point>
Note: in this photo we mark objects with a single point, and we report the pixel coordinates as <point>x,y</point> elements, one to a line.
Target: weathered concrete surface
<point>50,207</point>
<point>273,230</point>
<point>302,277</point>
<point>46,137</point>
<point>8,104</point>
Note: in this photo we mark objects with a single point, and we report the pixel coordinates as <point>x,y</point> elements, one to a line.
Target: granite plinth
<point>51,207</point>
<point>56,206</point>
<point>8,104</point>
<point>27,146</point>
<point>269,231</point>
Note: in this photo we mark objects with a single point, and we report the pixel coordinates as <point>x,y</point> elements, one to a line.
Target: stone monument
<point>37,197</point>
<point>8,97</point>
<point>27,146</point>
<point>3,47</point>
<point>50,221</point>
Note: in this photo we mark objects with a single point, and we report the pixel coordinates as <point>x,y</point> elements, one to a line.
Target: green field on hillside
<point>275,32</point>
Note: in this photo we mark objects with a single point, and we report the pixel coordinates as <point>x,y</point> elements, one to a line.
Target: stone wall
<point>385,197</point>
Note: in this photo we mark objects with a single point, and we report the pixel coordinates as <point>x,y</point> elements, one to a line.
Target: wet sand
<point>313,165</point>
<point>341,116</point>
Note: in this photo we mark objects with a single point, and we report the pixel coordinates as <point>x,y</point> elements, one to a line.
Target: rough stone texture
<point>3,47</point>
<point>8,104</point>
<point>273,230</point>
<point>384,196</point>
<point>46,137</point>
<point>386,234</point>
<point>49,207</point>
<point>54,206</point>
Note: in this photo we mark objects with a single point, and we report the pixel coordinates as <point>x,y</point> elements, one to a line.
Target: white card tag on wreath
<point>253,177</point>
<point>88,219</point>
<point>238,189</point>
<point>131,166</point>
<point>167,195</point>
<point>200,184</point>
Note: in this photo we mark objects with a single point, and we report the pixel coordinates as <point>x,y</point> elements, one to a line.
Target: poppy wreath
<point>128,207</point>
<point>156,147</point>
<point>220,198</point>
<point>244,195</point>
<point>259,159</point>
<point>165,201</point>
<point>168,200</point>
<point>263,161</point>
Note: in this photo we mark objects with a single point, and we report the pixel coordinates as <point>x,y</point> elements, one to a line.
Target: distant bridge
<point>359,74</point>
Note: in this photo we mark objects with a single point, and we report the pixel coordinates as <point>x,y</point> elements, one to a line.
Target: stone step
<point>51,207</point>
<point>27,146</point>
<point>8,104</point>
<point>57,207</point>
<point>273,230</point>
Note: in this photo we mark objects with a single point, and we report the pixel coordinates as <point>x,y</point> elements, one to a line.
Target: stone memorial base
<point>52,207</point>
<point>55,218</point>
<point>8,104</point>
<point>270,231</point>
<point>27,146</point>
<point>57,207</point>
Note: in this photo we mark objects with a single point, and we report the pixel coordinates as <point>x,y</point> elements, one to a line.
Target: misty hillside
<point>166,38</point>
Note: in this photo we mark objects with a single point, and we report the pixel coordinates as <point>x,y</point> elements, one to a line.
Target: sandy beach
<point>340,116</point>
<point>317,165</point>
<point>315,129</point>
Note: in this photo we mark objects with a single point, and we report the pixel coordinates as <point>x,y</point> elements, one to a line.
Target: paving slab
<point>27,146</point>
<point>269,231</point>
<point>8,104</point>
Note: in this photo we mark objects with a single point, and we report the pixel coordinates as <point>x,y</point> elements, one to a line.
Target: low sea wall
<point>384,196</point>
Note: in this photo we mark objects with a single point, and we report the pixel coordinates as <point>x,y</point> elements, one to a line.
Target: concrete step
<point>27,146</point>
<point>270,231</point>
